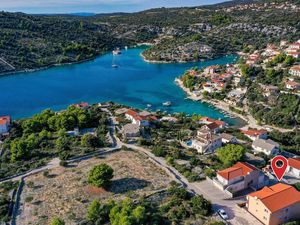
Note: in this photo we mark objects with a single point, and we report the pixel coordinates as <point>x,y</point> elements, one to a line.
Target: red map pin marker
<point>279,164</point>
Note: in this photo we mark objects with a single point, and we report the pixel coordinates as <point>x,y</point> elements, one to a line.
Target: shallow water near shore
<point>135,83</point>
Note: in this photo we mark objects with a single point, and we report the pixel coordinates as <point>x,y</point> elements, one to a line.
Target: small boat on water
<point>117,51</point>
<point>168,103</point>
<point>114,66</point>
<point>149,105</point>
<point>126,47</point>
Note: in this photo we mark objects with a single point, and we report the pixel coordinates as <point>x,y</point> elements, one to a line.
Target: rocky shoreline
<point>218,104</point>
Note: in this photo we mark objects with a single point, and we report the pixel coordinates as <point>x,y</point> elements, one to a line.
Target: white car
<point>223,214</point>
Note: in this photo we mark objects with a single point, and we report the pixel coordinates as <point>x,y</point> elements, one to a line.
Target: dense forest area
<point>35,41</point>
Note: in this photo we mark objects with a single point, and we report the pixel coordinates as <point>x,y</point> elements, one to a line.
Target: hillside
<point>178,34</point>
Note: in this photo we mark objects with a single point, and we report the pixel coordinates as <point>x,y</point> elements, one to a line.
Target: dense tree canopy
<point>231,154</point>
<point>101,175</point>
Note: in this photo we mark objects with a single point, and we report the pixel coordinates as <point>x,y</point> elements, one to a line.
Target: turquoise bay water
<point>135,83</point>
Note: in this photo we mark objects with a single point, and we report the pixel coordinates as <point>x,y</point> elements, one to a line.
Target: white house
<point>135,118</point>
<point>240,176</point>
<point>295,70</point>
<point>206,141</point>
<point>292,85</point>
<point>228,138</point>
<point>294,167</point>
<point>268,146</point>
<point>5,122</point>
<point>255,134</point>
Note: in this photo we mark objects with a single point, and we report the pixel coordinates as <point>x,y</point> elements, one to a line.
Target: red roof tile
<point>278,196</point>
<point>254,132</point>
<point>131,112</point>
<point>239,169</point>
<point>5,120</point>
<point>295,163</point>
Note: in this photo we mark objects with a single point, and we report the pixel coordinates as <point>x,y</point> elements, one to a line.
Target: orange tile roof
<point>237,170</point>
<point>212,126</point>
<point>292,83</point>
<point>278,196</point>
<point>5,120</point>
<point>295,68</point>
<point>254,132</point>
<point>131,112</point>
<point>295,163</point>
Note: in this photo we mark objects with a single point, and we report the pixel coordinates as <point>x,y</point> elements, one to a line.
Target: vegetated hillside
<point>28,42</point>
<point>222,28</point>
<point>179,34</point>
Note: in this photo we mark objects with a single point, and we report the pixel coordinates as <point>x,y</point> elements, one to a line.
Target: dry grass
<point>65,191</point>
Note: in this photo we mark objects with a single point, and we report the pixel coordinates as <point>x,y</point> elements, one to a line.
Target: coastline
<point>249,120</point>
<point>218,104</point>
<point>16,72</point>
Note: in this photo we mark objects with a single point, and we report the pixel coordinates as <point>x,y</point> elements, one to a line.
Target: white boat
<point>114,66</point>
<point>167,103</point>
<point>149,105</point>
<point>117,51</point>
<point>126,47</point>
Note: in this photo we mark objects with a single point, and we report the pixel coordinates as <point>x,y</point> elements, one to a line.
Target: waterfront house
<point>207,120</point>
<point>255,134</point>
<point>294,167</point>
<point>82,105</point>
<point>208,87</point>
<point>131,131</point>
<point>239,177</point>
<point>206,141</point>
<point>295,70</point>
<point>269,147</point>
<point>141,118</point>
<point>211,69</point>
<point>5,123</point>
<point>228,138</point>
<point>274,205</point>
<point>135,118</point>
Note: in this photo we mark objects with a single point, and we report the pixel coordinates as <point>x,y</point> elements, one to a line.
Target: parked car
<point>223,214</point>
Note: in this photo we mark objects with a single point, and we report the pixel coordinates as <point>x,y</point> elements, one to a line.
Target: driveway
<point>219,199</point>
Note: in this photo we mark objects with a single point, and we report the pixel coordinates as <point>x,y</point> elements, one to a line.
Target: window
<point>265,218</point>
<point>266,210</point>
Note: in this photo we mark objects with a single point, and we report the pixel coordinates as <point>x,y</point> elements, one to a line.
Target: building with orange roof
<point>255,134</point>
<point>82,105</point>
<point>240,176</point>
<point>5,122</point>
<point>294,167</point>
<point>275,205</point>
<point>219,124</point>
<point>140,118</point>
<point>292,85</point>
<point>211,69</point>
<point>295,70</point>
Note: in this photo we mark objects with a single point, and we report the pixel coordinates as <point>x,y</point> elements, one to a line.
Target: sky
<point>93,6</point>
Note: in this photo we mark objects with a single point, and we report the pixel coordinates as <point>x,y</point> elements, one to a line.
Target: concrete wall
<point>258,209</point>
